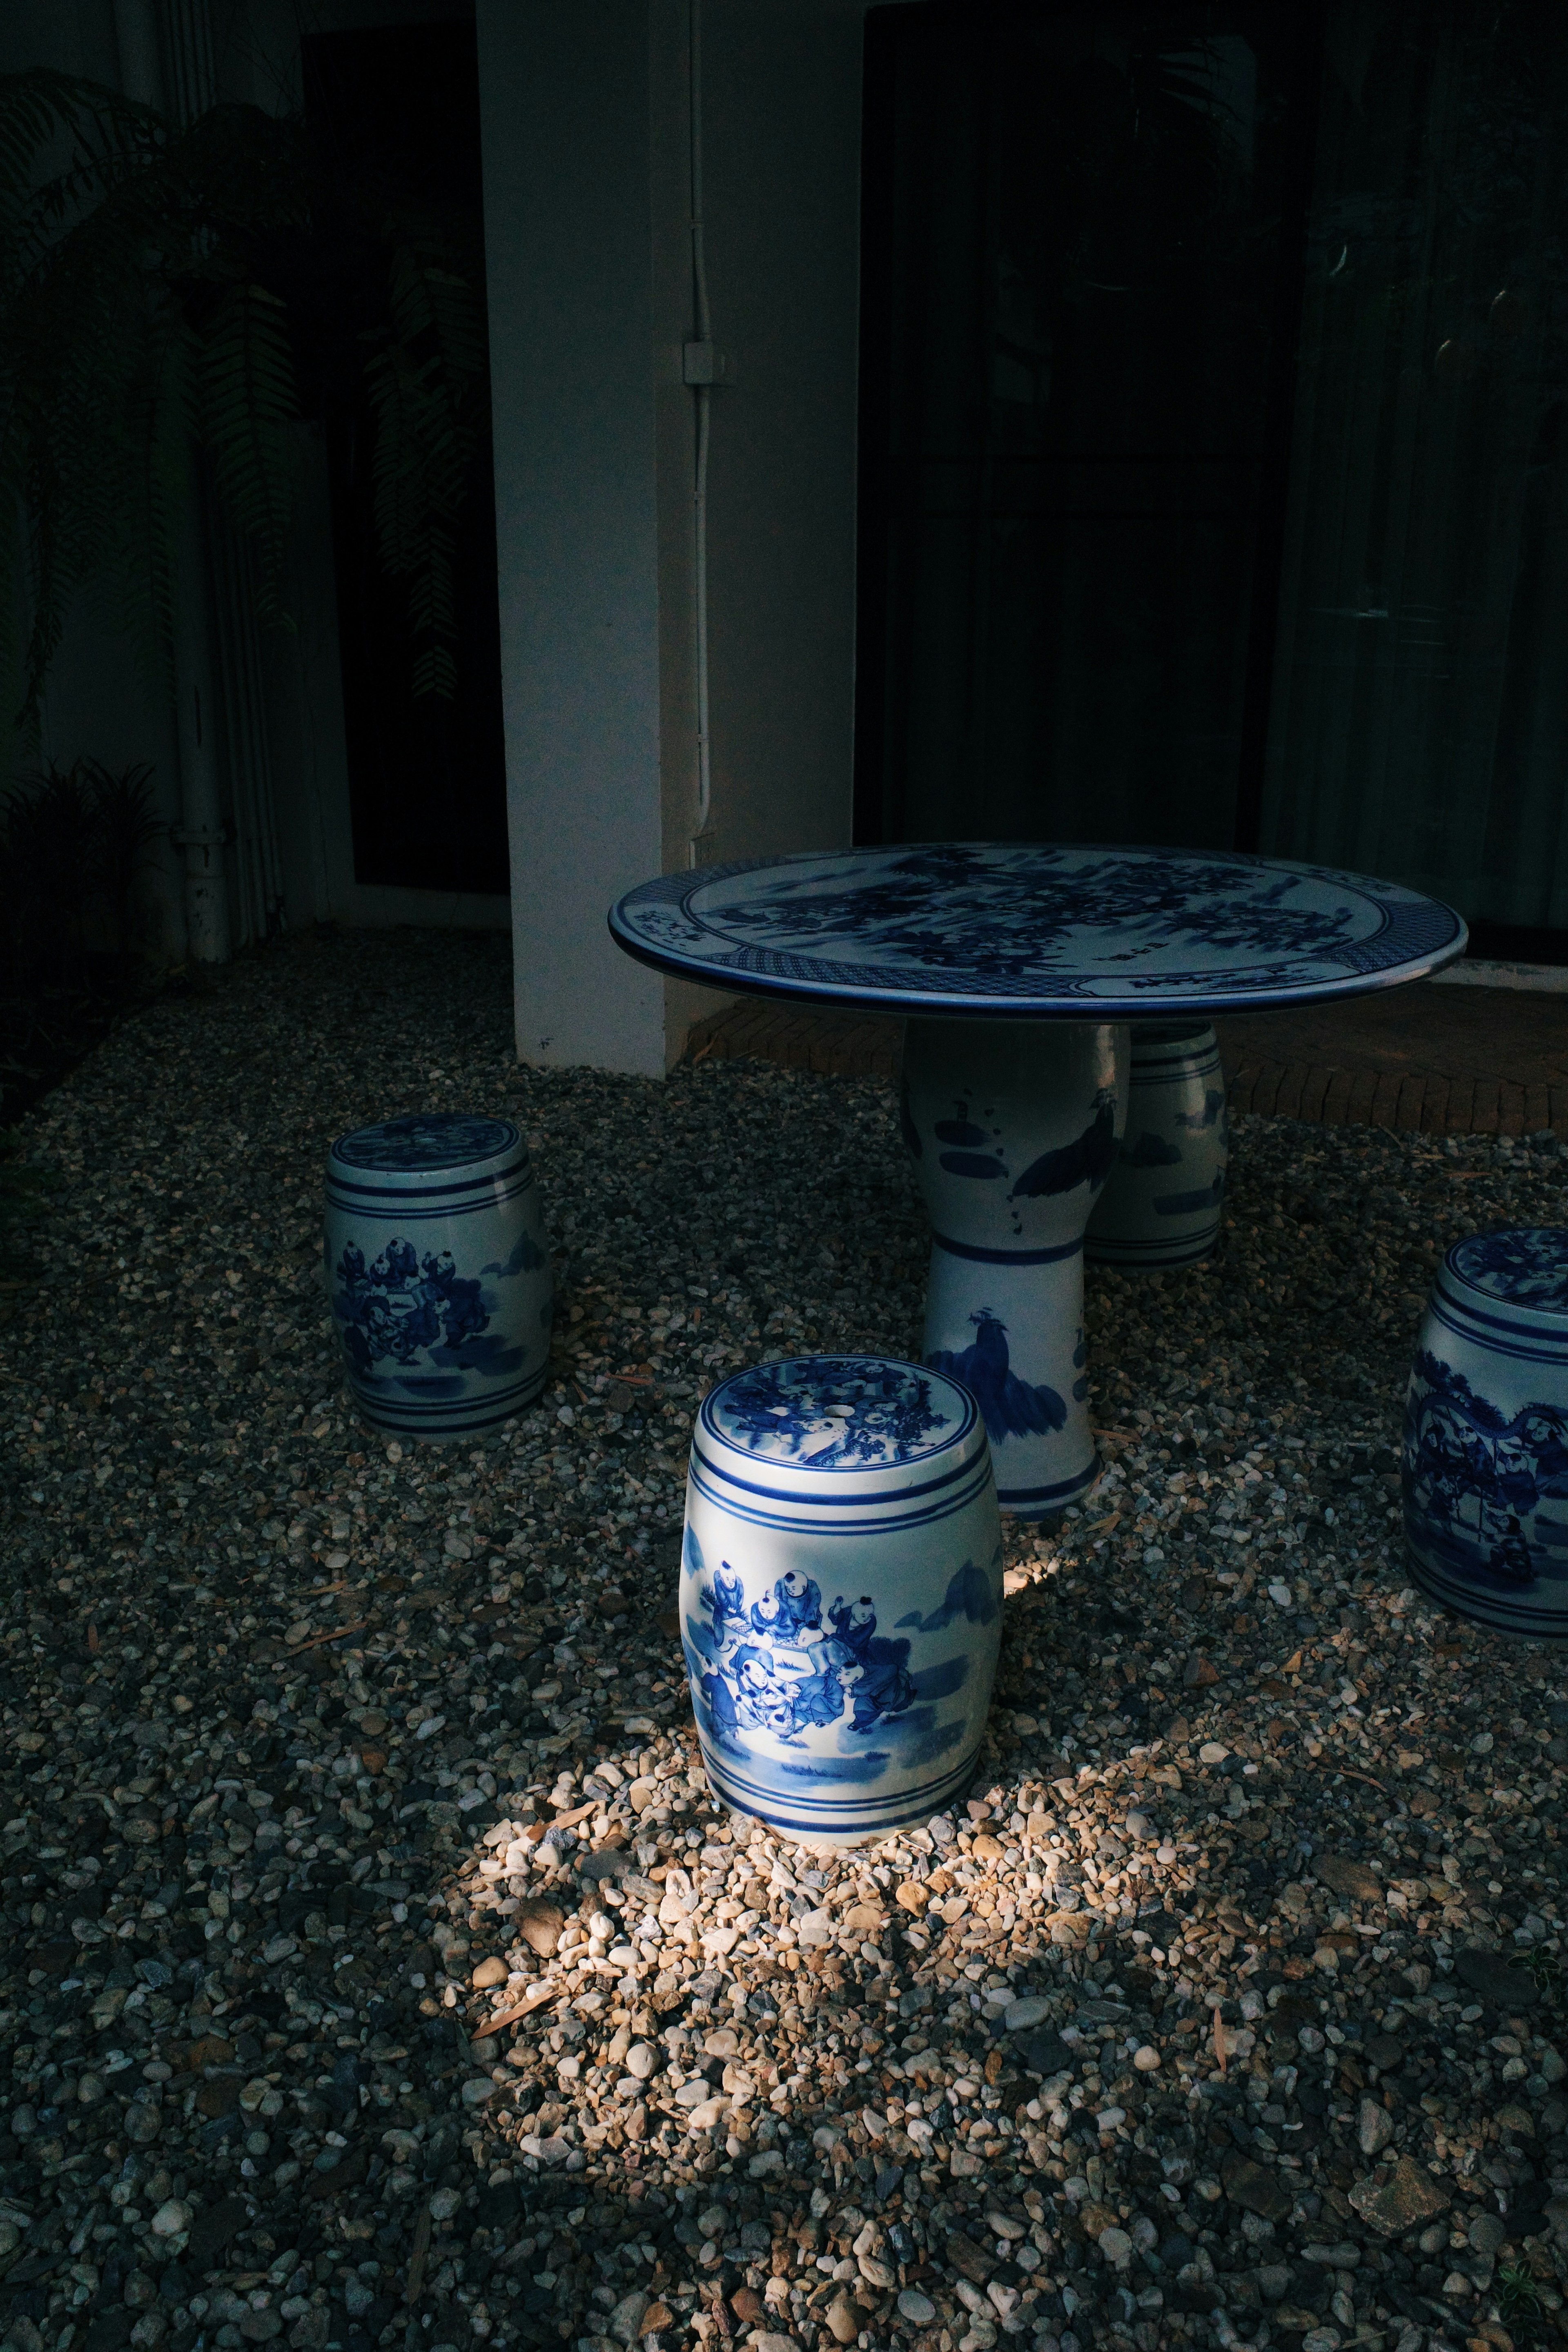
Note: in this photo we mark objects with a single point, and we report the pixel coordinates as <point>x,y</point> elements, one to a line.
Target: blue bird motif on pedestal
<point>1010,1407</point>
<point>1088,1159</point>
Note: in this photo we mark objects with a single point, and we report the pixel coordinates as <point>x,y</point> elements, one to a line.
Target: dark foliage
<point>172,301</point>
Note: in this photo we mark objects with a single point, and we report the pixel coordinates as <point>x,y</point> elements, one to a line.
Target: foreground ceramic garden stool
<point>1485,1464</point>
<point>437,1272</point>
<point>1013,1127</point>
<point>840,1594</point>
<point>1160,1204</point>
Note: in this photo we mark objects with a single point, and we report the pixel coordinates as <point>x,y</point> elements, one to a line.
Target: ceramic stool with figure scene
<point>840,1594</point>
<point>437,1274</point>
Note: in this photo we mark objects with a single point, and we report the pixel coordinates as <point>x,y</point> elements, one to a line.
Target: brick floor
<point>1444,1059</point>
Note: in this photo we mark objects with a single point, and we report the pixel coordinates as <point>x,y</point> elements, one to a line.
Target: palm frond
<point>247,404</point>
<point>427,379</point>
<point>141,335</point>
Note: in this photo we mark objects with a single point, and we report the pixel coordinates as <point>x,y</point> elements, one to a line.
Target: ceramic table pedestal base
<point>1160,1205</point>
<point>1013,1127</point>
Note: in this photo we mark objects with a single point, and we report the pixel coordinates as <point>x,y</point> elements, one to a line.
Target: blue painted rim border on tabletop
<point>1413,936</point>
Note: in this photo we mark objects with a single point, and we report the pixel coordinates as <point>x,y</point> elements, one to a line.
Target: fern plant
<point>73,842</point>
<point>162,291</point>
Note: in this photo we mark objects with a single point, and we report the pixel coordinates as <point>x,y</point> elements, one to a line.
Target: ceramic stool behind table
<point>1160,1204</point>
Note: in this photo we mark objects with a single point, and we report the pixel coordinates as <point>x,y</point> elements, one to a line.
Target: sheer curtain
<point>1073,241</point>
<point>1419,719</point>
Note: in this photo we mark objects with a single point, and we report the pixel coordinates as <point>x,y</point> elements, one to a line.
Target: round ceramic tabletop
<point>1010,930</point>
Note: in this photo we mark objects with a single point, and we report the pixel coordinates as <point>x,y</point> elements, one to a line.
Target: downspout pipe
<point>699,373</point>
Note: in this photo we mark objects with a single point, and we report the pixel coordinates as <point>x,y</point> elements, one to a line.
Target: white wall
<point>585,127</point>
<point>782,109</point>
<point>564,112</point>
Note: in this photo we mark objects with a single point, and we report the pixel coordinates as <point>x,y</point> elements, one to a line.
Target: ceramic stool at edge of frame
<point>840,1594</point>
<point>1484,1456</point>
<point>1013,1127</point>
<point>438,1273</point>
<point>1161,1201</point>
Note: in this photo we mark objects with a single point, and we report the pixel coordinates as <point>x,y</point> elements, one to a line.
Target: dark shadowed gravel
<point>377,1969</point>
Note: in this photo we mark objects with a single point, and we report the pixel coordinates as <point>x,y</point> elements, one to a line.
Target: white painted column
<point>565,98</point>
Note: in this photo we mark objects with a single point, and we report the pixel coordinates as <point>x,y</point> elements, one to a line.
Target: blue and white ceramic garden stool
<point>1160,1204</point>
<point>438,1273</point>
<point>840,1594</point>
<point>1485,1464</point>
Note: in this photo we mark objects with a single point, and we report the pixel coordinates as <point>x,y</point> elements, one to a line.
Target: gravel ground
<point>378,1969</point>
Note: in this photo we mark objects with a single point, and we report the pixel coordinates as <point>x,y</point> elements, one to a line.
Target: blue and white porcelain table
<point>1020,966</point>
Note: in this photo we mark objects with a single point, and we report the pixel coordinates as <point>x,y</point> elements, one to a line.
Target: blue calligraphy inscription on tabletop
<point>426,1140</point>
<point>1525,1266</point>
<point>1032,922</point>
<point>832,1413</point>
<point>1473,1475</point>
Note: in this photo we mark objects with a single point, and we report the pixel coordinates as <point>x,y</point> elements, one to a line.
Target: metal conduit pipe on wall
<point>699,372</point>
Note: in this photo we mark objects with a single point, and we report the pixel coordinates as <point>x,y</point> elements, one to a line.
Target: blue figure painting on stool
<point>840,1593</point>
<point>436,1272</point>
<point>1475,1478</point>
<point>784,1665</point>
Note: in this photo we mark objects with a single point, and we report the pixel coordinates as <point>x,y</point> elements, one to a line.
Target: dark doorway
<point>426,774</point>
<point>1082,249</point>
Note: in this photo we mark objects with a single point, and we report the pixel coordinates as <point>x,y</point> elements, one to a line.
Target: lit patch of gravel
<point>374,1953</point>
